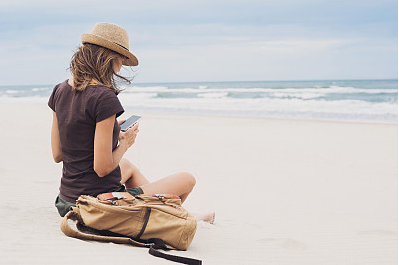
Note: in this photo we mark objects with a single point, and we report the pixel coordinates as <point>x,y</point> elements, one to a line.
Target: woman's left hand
<point>128,138</point>
<point>121,121</point>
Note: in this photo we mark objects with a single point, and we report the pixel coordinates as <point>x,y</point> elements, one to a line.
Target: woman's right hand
<point>128,138</point>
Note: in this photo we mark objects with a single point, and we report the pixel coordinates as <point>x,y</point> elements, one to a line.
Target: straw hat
<point>113,37</point>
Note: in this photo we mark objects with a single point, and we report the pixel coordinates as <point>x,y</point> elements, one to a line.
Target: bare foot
<point>209,217</point>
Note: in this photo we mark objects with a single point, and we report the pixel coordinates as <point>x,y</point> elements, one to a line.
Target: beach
<point>285,191</point>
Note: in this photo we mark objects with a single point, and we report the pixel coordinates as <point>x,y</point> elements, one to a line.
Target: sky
<point>207,40</point>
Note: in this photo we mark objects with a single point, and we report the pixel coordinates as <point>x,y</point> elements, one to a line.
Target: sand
<point>284,191</point>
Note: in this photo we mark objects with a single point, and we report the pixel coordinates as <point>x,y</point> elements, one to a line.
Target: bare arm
<point>55,141</point>
<point>106,160</point>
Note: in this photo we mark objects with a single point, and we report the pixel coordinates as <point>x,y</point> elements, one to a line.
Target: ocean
<point>338,100</point>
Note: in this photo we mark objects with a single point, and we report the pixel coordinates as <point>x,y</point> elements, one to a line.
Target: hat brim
<point>131,60</point>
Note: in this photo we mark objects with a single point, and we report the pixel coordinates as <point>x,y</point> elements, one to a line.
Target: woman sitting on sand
<point>85,134</point>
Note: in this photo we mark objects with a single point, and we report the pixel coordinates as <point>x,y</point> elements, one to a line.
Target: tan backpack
<point>154,221</point>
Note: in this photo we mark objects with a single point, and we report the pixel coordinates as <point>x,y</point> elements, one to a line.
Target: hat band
<point>121,46</point>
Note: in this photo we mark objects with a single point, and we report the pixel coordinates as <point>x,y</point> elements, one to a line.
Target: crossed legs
<point>180,184</point>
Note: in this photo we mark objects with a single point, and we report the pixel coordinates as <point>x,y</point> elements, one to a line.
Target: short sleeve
<point>52,99</point>
<point>107,105</point>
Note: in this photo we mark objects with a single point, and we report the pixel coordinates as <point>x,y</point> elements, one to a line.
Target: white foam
<point>213,95</point>
<point>331,89</point>
<point>40,89</point>
<point>299,95</point>
<point>266,106</point>
<point>10,91</point>
<point>146,89</point>
<point>284,102</point>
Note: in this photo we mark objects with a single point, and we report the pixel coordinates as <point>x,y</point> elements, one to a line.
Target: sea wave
<point>330,89</point>
<point>331,94</point>
<point>213,95</point>
<point>271,106</point>
<point>35,89</point>
<point>354,100</point>
<point>135,89</point>
<point>10,91</point>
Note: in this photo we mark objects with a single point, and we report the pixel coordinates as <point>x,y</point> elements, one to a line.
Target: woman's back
<point>77,114</point>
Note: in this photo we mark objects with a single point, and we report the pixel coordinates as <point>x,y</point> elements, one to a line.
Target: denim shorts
<point>64,206</point>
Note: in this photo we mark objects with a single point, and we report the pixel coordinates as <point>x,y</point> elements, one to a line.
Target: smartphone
<point>129,122</point>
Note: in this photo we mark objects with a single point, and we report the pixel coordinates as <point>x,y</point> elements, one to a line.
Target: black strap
<point>157,243</point>
<point>152,243</point>
<point>146,218</point>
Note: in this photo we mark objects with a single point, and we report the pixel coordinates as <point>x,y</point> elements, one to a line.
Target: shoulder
<point>105,102</point>
<point>102,94</point>
<point>56,94</point>
<point>101,91</point>
<point>61,86</point>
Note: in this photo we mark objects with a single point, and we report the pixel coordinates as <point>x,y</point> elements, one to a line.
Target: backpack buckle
<point>112,202</point>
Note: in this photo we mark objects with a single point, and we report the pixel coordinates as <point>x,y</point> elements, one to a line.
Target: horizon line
<point>236,81</point>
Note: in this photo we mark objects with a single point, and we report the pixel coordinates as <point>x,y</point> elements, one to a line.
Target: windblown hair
<point>90,62</point>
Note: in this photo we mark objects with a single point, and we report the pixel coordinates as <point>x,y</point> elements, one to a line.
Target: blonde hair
<point>90,62</point>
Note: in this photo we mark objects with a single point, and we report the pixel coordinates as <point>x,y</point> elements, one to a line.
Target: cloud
<point>181,40</point>
<point>266,60</point>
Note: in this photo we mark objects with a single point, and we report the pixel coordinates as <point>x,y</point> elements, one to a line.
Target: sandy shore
<point>285,191</point>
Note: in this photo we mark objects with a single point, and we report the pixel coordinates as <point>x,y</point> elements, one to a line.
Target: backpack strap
<point>87,233</point>
<point>153,251</point>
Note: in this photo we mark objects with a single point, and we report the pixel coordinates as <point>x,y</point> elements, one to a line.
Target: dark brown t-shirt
<point>77,115</point>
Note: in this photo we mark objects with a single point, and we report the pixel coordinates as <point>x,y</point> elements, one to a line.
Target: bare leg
<point>131,175</point>
<point>180,184</point>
